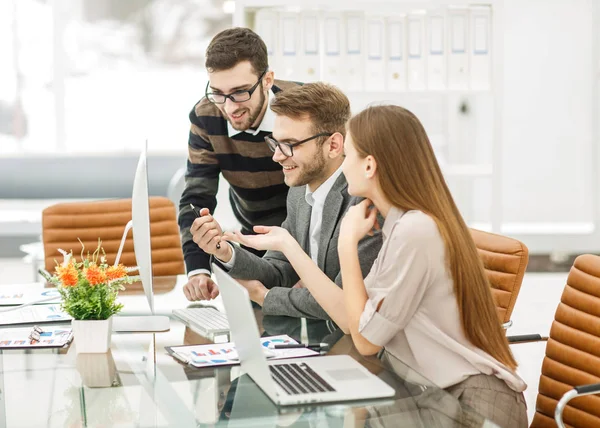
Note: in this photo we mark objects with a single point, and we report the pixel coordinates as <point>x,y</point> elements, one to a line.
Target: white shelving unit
<point>438,108</point>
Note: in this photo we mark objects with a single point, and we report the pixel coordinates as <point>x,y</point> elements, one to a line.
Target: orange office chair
<point>63,224</point>
<point>505,260</point>
<point>571,367</point>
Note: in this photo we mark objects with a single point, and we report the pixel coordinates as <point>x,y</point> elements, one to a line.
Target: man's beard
<point>251,116</point>
<point>312,171</point>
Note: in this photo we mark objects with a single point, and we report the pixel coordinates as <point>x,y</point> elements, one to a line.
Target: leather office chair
<point>64,223</point>
<point>505,260</point>
<point>571,367</point>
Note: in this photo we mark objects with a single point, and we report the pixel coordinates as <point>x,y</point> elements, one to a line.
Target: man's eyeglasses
<point>236,97</point>
<point>288,148</point>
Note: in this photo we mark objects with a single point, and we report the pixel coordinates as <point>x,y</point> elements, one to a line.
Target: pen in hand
<point>197,212</point>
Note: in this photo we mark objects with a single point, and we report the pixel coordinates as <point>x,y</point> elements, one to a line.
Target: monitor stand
<point>142,323</point>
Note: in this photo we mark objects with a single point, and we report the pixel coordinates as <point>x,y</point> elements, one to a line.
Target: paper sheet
<point>34,314</point>
<point>222,354</point>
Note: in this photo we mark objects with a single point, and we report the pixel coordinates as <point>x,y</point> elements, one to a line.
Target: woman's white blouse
<point>418,321</point>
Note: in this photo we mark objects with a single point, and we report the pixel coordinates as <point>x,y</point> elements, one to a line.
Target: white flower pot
<point>92,336</point>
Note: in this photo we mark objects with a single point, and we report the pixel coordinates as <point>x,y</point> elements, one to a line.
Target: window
<point>101,76</point>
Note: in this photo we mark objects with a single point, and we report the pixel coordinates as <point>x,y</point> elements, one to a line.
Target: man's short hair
<point>326,106</point>
<point>234,45</point>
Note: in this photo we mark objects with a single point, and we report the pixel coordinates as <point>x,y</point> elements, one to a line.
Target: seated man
<point>308,142</point>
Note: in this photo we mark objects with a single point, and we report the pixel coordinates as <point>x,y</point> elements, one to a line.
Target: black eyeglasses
<point>236,97</point>
<point>288,149</point>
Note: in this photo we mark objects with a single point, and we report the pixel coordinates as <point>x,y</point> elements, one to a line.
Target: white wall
<point>549,137</point>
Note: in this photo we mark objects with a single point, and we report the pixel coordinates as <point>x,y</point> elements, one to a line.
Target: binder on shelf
<point>375,50</point>
<point>396,53</point>
<point>309,64</point>
<point>287,62</point>
<point>266,21</point>
<point>355,68</point>
<point>436,60</point>
<point>416,56</point>
<point>480,48</point>
<point>333,49</point>
<point>458,58</point>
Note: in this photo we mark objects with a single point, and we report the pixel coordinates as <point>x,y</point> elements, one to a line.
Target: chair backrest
<point>64,223</point>
<point>505,260</point>
<point>573,349</point>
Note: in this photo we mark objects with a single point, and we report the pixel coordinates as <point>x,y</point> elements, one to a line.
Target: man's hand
<point>256,290</point>
<point>206,233</point>
<point>200,287</point>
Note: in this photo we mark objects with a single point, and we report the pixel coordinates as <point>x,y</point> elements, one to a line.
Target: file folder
<point>481,64</point>
<point>436,60</point>
<point>266,27</point>
<point>333,49</point>
<point>375,46</point>
<point>288,46</point>
<point>458,58</point>
<point>416,55</point>
<point>355,68</point>
<point>309,63</point>
<point>396,63</point>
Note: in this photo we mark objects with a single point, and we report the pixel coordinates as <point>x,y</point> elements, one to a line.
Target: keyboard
<point>296,378</point>
<point>207,321</point>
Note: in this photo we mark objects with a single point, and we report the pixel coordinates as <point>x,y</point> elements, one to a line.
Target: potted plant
<point>89,290</point>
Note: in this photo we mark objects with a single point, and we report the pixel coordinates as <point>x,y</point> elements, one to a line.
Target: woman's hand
<point>268,238</point>
<point>360,220</point>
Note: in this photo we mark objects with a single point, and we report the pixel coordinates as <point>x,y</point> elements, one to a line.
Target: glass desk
<point>137,383</point>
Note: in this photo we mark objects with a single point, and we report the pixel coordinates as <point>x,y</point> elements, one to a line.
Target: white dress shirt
<point>316,200</point>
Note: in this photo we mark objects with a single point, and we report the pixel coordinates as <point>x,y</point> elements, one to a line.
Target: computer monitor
<point>142,246</point>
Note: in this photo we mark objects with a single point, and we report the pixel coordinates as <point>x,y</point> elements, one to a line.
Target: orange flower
<point>115,272</point>
<point>94,275</point>
<point>67,275</point>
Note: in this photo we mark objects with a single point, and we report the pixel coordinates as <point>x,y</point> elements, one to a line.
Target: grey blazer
<point>276,272</point>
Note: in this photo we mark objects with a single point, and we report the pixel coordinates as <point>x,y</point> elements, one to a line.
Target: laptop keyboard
<point>206,319</point>
<point>296,378</point>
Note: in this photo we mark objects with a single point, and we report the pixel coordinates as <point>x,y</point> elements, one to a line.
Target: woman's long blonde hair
<point>411,179</point>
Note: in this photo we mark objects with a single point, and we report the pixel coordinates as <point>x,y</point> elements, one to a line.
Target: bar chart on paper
<point>34,314</point>
<point>222,354</point>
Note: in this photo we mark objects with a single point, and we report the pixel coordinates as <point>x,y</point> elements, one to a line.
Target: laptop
<point>294,381</point>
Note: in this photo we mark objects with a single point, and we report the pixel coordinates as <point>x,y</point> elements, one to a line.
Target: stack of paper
<point>222,354</point>
<point>49,337</point>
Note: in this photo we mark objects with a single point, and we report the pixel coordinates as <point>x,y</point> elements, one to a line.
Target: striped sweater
<point>257,189</point>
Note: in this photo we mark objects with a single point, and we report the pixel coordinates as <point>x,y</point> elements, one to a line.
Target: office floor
<point>533,313</point>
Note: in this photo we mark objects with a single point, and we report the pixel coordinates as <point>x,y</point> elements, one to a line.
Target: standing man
<point>228,128</point>
<point>308,144</point>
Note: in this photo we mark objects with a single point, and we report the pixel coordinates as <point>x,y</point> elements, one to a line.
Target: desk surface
<point>138,384</point>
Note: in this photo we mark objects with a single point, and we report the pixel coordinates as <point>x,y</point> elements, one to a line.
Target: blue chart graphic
<point>50,293</point>
<point>276,342</point>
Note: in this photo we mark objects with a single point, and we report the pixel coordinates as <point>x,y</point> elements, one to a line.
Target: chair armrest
<point>526,338</point>
<point>578,391</point>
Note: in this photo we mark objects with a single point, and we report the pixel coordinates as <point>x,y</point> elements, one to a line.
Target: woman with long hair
<point>426,300</point>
